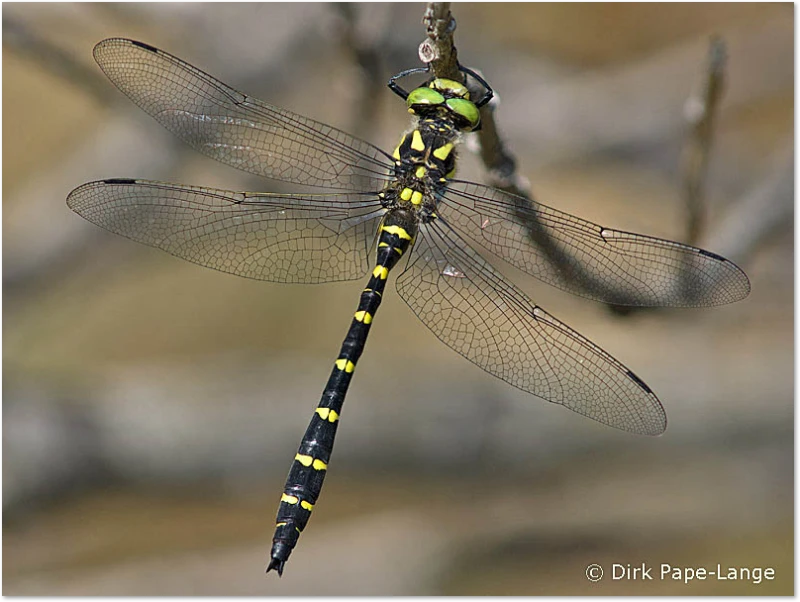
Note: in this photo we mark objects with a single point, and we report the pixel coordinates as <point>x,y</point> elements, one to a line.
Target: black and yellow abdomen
<point>425,157</point>
<point>304,483</point>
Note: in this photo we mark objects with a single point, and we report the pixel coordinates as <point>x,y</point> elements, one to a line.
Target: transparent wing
<point>275,237</point>
<point>239,130</point>
<point>485,318</point>
<point>589,260</point>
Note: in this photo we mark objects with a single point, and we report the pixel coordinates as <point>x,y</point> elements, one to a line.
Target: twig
<point>440,52</point>
<point>438,49</point>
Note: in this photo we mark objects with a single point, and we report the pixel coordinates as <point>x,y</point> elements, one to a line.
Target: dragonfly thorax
<point>424,159</point>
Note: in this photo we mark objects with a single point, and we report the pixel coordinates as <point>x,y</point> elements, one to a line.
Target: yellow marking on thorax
<point>416,199</point>
<point>328,414</point>
<point>306,505</point>
<point>406,193</point>
<point>396,153</point>
<point>420,173</point>
<point>443,151</point>
<point>289,499</point>
<point>416,141</point>
<point>397,230</point>
<point>345,365</point>
<point>363,316</point>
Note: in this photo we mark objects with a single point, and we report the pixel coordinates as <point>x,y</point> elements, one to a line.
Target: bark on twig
<point>438,49</point>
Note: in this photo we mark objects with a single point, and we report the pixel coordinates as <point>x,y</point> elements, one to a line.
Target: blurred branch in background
<point>700,110</point>
<point>765,207</point>
<point>362,36</point>
<point>635,103</point>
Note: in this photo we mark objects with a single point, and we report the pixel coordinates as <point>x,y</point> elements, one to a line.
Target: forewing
<point>586,259</point>
<point>239,130</point>
<point>482,316</point>
<point>280,238</point>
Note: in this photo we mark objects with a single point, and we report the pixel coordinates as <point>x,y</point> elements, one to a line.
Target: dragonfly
<point>364,213</point>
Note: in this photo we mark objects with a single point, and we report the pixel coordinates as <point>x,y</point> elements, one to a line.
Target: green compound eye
<point>451,87</point>
<point>424,96</point>
<point>465,109</point>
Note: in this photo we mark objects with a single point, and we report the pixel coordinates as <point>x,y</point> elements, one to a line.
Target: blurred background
<point>152,407</point>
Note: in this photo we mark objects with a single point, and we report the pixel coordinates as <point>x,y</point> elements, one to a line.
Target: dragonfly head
<point>445,98</point>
